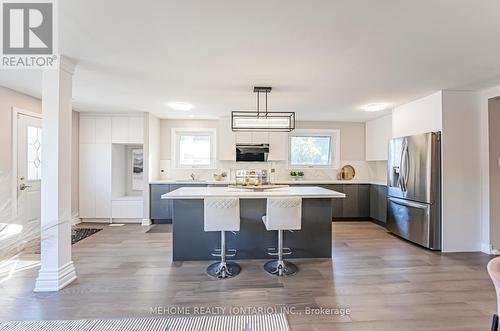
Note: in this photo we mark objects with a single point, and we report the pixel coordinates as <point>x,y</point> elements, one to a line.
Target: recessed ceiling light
<point>183,106</point>
<point>374,107</point>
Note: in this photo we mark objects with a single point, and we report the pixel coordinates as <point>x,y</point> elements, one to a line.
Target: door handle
<point>407,166</point>
<point>23,186</point>
<point>408,203</point>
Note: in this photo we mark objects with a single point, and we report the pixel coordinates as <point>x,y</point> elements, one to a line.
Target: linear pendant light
<point>245,120</point>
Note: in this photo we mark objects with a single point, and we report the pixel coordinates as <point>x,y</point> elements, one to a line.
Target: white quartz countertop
<point>213,192</point>
<point>287,182</point>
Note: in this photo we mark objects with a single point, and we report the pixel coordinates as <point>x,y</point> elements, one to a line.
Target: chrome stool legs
<point>280,267</point>
<point>224,269</point>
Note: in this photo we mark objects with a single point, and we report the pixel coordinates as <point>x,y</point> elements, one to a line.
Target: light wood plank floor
<point>387,283</point>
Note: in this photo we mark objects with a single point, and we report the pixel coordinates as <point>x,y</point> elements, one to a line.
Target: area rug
<point>78,234</point>
<point>272,322</point>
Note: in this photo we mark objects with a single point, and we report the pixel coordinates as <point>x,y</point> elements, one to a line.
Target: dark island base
<point>191,243</point>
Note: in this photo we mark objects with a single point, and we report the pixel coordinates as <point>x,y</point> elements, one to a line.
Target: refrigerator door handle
<point>408,203</point>
<point>401,181</point>
<point>407,166</point>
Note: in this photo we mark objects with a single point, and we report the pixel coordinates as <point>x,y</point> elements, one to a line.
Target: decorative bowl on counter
<point>220,177</point>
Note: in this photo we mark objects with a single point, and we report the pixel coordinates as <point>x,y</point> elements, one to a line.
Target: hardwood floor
<point>387,283</point>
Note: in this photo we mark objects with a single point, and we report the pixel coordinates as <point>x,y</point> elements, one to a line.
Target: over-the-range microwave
<point>252,152</point>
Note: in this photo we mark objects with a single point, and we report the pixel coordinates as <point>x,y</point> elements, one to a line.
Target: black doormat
<point>160,228</point>
<point>82,233</point>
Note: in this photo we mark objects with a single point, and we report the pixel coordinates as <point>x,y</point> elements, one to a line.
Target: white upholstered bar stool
<point>222,214</point>
<point>494,271</point>
<point>282,214</point>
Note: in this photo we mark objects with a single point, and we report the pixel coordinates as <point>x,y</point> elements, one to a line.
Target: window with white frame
<point>314,149</point>
<point>194,148</point>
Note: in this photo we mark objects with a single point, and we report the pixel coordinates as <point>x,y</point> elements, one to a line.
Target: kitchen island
<point>191,242</point>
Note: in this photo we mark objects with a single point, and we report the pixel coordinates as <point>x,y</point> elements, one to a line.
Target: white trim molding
<point>146,222</point>
<point>51,280</point>
<point>75,219</point>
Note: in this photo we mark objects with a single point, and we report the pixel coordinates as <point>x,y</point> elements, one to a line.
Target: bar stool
<point>222,214</point>
<point>282,214</point>
<point>494,271</point>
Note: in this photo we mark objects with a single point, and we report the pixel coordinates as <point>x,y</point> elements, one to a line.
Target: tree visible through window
<point>310,150</point>
<point>194,150</point>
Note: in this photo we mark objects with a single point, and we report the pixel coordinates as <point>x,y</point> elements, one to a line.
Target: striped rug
<point>273,322</point>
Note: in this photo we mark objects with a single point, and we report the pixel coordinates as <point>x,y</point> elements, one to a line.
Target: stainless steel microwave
<point>252,152</point>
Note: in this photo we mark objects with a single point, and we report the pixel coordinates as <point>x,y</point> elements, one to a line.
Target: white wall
<point>457,115</point>
<point>378,134</point>
<point>75,146</point>
<point>461,164</point>
<point>419,116</point>
<point>486,94</point>
<point>151,150</point>
<point>494,170</point>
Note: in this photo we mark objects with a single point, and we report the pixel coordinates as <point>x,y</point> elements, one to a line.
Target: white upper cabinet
<point>87,130</point>
<point>243,137</point>
<point>95,129</point>
<point>378,134</point>
<point>260,137</point>
<point>136,130</point>
<point>120,130</point>
<point>226,141</point>
<point>103,130</point>
<point>127,129</point>
<point>278,146</point>
<point>252,137</point>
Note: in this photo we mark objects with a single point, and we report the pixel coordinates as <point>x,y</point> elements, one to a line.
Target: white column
<point>57,268</point>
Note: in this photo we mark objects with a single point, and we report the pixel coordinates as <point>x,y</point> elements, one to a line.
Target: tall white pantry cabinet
<point>98,133</point>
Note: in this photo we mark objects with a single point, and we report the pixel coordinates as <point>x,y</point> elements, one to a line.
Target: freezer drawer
<point>414,221</point>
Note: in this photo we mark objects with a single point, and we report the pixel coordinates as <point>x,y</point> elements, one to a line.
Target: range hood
<point>247,120</point>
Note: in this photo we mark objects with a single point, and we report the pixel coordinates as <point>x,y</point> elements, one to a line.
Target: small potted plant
<point>296,175</point>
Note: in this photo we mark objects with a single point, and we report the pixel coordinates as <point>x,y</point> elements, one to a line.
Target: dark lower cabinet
<point>160,209</point>
<point>357,201</point>
<point>378,203</point>
<point>362,201</point>
<point>356,204</point>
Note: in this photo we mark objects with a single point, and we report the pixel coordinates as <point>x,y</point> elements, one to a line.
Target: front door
<point>29,173</point>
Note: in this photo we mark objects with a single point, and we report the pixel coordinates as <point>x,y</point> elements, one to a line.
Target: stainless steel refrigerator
<point>414,189</point>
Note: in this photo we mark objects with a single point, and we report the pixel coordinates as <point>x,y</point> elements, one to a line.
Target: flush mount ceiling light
<point>245,120</point>
<point>182,106</point>
<point>374,107</point>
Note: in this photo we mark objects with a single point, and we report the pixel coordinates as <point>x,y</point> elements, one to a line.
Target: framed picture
<point>137,169</point>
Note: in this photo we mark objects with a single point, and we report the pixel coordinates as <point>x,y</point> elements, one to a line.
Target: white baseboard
<point>146,222</point>
<point>486,248</point>
<point>115,220</point>
<point>75,219</point>
<point>52,280</point>
<point>489,249</point>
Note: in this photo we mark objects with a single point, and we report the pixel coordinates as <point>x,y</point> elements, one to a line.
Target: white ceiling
<point>324,59</point>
